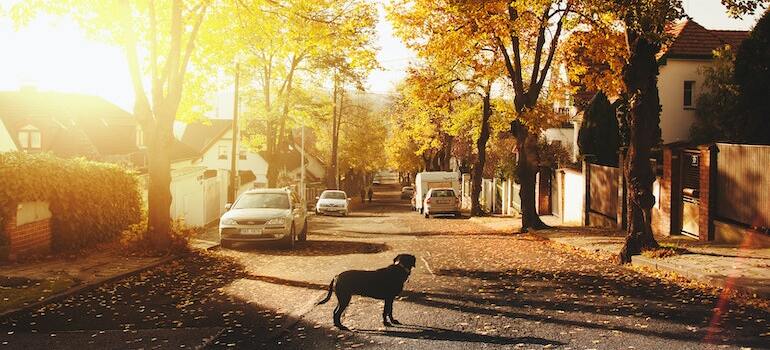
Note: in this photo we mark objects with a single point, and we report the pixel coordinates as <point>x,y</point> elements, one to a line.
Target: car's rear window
<point>262,200</point>
<point>443,193</point>
<point>333,195</point>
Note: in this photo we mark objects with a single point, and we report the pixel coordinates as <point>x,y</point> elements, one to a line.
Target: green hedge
<point>90,202</point>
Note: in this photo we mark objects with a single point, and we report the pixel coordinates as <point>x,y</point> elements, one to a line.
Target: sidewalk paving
<point>24,285</point>
<point>743,269</point>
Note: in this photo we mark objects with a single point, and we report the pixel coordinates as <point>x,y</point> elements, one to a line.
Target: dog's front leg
<point>387,313</point>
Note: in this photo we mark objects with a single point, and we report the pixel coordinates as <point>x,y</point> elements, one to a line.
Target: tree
<point>594,60</point>
<point>524,35</point>
<point>599,134</point>
<point>718,115</point>
<point>752,74</point>
<point>159,41</point>
<point>645,28</point>
<point>288,42</point>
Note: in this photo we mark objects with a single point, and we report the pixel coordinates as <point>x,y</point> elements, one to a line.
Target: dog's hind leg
<point>342,304</point>
<point>387,313</point>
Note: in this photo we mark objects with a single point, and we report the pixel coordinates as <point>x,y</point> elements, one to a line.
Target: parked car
<point>407,192</point>
<point>441,201</point>
<point>332,202</point>
<point>264,215</point>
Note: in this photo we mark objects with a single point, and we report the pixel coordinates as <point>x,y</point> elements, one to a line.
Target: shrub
<point>599,133</point>
<point>90,202</point>
<point>752,75</point>
<point>134,240</point>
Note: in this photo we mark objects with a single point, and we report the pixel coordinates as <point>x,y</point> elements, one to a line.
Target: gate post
<point>708,176</point>
<point>587,191</point>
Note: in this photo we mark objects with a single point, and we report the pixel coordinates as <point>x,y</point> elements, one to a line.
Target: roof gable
<point>201,137</point>
<point>99,126</point>
<point>691,40</point>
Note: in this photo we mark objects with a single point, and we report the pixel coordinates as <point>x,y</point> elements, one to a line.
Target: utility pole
<point>302,167</point>
<point>233,159</point>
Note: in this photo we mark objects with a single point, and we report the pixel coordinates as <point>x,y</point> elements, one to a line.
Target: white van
<point>424,181</point>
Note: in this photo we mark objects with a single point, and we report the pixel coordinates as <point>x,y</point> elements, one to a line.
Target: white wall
<point>6,142</point>
<point>675,120</point>
<point>572,190</point>
<point>567,137</point>
<point>253,161</point>
<point>187,191</point>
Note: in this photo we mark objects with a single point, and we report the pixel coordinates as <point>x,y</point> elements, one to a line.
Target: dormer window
<point>30,138</point>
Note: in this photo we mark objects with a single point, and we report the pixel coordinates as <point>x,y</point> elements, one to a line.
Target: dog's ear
<point>407,259</point>
<point>411,260</point>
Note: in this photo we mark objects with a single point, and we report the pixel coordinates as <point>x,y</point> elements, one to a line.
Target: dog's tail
<point>329,295</point>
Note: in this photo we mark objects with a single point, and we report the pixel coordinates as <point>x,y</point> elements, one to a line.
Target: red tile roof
<point>691,40</point>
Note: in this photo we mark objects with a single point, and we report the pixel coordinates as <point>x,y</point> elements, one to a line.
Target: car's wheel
<point>427,215</point>
<point>303,234</point>
<point>226,244</point>
<point>288,242</point>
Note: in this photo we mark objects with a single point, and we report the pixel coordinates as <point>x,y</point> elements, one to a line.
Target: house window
<point>242,155</point>
<point>688,87</point>
<point>223,152</point>
<point>29,138</point>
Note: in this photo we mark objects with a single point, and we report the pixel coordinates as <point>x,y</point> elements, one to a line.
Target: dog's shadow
<point>434,333</point>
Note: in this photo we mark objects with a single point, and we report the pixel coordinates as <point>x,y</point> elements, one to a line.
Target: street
<point>475,286</point>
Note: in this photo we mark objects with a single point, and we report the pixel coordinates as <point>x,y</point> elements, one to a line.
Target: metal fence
<point>743,184</point>
<point>603,187</point>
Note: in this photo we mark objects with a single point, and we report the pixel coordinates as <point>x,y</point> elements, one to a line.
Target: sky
<point>54,54</point>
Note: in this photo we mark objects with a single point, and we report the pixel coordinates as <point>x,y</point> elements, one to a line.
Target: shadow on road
<point>315,248</point>
<point>433,333</point>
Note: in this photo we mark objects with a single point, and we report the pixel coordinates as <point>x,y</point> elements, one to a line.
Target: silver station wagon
<point>264,215</point>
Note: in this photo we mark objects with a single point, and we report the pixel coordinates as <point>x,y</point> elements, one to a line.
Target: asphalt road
<point>473,288</point>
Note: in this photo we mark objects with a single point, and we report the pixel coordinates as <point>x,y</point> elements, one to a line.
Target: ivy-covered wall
<point>90,202</point>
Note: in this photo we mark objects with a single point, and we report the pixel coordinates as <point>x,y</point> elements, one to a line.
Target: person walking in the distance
<point>370,193</point>
<point>363,195</point>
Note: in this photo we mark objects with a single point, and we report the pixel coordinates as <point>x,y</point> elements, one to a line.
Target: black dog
<point>384,284</point>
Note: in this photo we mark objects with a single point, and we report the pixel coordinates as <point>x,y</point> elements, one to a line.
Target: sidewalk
<point>743,269</point>
<point>24,285</point>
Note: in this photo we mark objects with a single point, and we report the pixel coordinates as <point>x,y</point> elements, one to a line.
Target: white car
<point>441,201</point>
<point>264,215</point>
<point>332,202</point>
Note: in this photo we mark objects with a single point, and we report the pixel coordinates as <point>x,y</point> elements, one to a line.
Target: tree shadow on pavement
<point>316,248</point>
<point>522,292</point>
<point>442,334</point>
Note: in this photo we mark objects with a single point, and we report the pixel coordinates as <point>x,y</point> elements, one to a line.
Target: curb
<point>687,272</point>
<point>91,285</point>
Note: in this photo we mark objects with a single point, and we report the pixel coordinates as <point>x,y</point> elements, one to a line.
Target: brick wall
<point>29,238</point>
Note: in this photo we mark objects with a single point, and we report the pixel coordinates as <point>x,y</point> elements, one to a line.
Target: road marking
<point>427,266</point>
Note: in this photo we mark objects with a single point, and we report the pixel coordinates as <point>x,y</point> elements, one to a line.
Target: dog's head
<point>406,260</point>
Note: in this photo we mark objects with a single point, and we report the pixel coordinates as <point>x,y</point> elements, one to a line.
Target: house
<point>213,141</point>
<point>67,125</point>
<point>680,80</point>
<point>77,125</point>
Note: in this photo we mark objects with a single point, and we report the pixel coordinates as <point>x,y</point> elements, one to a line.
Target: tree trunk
<point>643,118</point>
<point>159,189</point>
<point>481,148</point>
<point>526,169</point>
